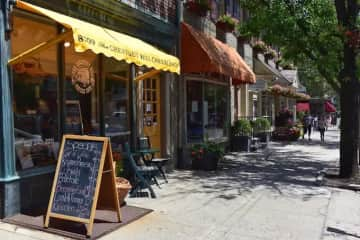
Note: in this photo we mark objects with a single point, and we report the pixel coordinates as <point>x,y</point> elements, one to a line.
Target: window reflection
<point>206,111</point>
<point>116,107</point>
<point>34,95</point>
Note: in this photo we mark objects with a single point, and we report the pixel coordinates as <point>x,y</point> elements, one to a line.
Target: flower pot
<point>208,162</point>
<point>240,143</point>
<point>123,187</point>
<point>226,27</point>
<point>263,136</point>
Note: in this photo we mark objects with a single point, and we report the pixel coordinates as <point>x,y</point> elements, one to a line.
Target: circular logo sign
<point>83,77</point>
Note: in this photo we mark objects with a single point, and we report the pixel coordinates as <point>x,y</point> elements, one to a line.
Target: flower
<point>199,150</point>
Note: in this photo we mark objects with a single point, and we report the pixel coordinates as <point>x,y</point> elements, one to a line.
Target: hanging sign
<point>83,76</point>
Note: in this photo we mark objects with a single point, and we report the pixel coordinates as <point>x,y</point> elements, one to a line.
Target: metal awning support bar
<point>40,47</point>
<point>147,75</point>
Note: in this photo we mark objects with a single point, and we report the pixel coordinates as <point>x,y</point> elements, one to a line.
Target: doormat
<point>104,223</point>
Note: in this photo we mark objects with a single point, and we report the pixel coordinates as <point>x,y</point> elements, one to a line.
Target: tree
<point>324,35</point>
<point>314,82</point>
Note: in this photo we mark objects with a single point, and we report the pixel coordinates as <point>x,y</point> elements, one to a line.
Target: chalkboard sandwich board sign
<point>84,180</point>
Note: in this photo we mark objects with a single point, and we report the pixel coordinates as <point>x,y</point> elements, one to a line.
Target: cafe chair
<point>148,155</point>
<point>142,176</point>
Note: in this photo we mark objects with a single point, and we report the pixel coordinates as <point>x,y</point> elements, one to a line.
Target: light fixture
<point>67,44</point>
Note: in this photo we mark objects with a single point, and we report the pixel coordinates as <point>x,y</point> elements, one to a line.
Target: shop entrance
<point>151,110</point>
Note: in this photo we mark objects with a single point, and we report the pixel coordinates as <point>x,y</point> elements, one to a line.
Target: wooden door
<point>151,111</point>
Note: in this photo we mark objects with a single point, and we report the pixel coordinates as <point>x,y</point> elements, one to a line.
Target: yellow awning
<point>120,46</point>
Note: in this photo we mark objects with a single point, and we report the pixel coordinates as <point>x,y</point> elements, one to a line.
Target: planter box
<point>240,143</point>
<point>226,27</point>
<point>264,137</point>
<point>208,162</point>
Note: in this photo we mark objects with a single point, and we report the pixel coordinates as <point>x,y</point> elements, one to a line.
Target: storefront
<point>209,69</point>
<point>69,76</point>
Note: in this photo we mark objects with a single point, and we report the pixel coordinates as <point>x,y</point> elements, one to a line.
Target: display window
<point>116,108</point>
<point>207,111</point>
<point>35,89</point>
<point>81,91</point>
<point>36,86</point>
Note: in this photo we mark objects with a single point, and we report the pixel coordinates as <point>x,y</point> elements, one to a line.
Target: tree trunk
<point>349,140</point>
<point>347,13</point>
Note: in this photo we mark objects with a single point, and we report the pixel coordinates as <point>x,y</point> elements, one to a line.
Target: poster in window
<point>73,122</point>
<point>23,153</point>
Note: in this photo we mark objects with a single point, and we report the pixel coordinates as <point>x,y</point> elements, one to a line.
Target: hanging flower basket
<point>259,47</point>
<point>270,54</point>
<point>226,23</point>
<point>199,7</point>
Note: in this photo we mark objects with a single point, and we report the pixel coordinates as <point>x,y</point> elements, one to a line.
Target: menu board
<point>76,182</point>
<point>84,181</point>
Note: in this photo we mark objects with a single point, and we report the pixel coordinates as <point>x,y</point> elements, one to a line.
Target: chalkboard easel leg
<point>89,229</point>
<point>47,220</point>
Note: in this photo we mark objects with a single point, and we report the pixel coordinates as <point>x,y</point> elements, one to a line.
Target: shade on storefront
<point>204,54</point>
<point>120,46</point>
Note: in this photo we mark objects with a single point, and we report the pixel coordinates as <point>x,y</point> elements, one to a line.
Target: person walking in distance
<point>304,125</point>
<point>322,127</point>
<point>309,124</point>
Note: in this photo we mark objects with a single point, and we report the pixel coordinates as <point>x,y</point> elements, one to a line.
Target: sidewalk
<point>265,195</point>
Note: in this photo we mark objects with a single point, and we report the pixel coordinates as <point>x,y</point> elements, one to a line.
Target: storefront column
<point>132,107</point>
<point>7,157</point>
<point>9,189</point>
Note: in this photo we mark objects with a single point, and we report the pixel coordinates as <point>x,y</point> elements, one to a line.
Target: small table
<point>158,162</point>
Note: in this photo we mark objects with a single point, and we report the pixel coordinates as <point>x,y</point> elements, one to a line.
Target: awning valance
<point>120,46</point>
<point>204,54</point>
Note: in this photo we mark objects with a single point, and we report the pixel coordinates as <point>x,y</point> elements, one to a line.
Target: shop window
<point>35,93</point>
<point>81,91</point>
<point>116,107</point>
<point>207,111</point>
<point>194,105</point>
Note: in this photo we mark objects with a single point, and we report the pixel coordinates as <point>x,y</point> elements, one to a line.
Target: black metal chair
<point>148,155</point>
<point>142,176</point>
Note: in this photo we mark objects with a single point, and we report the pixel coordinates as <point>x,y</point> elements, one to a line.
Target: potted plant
<point>270,54</point>
<point>259,47</point>
<point>206,156</point>
<point>226,23</point>
<point>262,128</point>
<point>123,186</point>
<point>241,135</point>
<point>199,7</point>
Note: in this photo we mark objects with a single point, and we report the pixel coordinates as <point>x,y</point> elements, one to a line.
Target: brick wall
<point>162,9</point>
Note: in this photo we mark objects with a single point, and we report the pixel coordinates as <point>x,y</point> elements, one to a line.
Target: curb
<point>321,180</point>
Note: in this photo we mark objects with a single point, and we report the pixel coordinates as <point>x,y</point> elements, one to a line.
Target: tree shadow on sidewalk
<point>342,232</point>
<point>284,172</point>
